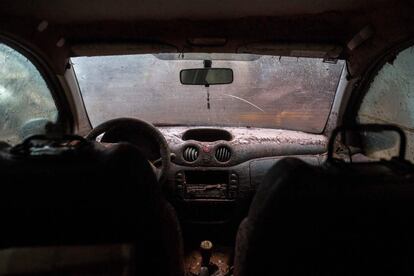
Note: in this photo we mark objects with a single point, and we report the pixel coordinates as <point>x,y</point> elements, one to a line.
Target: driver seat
<point>76,207</point>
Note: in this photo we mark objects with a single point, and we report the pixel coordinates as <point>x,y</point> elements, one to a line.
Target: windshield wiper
<point>246,101</point>
<point>168,125</point>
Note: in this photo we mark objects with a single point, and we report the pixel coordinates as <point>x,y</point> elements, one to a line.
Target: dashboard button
<point>232,194</point>
<point>206,149</point>
<point>179,178</point>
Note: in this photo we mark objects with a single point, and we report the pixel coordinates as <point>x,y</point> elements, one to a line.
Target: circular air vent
<point>223,154</point>
<point>190,154</point>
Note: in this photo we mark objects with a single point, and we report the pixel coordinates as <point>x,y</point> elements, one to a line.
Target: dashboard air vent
<point>190,154</point>
<point>223,154</point>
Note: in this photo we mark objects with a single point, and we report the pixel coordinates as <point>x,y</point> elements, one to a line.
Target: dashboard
<point>215,171</point>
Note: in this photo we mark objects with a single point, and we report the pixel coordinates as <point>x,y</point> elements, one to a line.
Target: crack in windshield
<point>246,101</point>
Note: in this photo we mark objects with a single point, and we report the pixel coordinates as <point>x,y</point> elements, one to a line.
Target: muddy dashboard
<point>215,171</point>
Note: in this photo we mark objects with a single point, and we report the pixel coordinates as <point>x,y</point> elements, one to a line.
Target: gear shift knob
<point>206,248</point>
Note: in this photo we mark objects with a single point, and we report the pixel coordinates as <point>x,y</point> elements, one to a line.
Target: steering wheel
<point>141,128</point>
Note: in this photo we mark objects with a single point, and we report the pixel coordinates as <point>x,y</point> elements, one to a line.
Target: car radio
<point>211,184</point>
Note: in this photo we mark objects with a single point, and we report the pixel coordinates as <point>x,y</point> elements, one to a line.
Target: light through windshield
<point>267,91</point>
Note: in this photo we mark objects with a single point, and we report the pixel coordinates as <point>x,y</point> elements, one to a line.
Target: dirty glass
<point>390,100</point>
<point>26,104</point>
<point>267,91</point>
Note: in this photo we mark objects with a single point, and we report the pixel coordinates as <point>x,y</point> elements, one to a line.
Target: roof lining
<point>327,27</point>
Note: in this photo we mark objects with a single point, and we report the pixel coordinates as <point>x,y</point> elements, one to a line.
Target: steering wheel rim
<point>147,128</point>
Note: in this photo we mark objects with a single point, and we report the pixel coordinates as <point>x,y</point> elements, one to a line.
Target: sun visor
<point>327,51</point>
<point>109,49</point>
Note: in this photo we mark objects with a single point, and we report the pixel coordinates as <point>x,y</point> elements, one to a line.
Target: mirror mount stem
<point>207,63</point>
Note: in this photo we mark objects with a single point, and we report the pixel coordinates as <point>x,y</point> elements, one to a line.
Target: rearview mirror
<point>206,76</point>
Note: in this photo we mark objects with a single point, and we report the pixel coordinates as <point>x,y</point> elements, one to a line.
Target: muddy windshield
<point>267,91</point>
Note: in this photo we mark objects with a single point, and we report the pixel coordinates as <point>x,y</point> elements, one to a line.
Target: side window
<point>390,100</point>
<point>26,104</point>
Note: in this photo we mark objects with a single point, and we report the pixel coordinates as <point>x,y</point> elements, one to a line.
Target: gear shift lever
<point>206,248</point>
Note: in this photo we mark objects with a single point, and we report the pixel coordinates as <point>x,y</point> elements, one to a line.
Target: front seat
<point>339,219</point>
<point>73,207</point>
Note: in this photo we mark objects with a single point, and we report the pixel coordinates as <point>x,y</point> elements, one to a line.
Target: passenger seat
<point>339,219</point>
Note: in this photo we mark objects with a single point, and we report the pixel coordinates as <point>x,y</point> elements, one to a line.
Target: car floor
<point>221,260</point>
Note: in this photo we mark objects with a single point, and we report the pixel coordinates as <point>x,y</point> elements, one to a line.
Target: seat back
<point>55,193</point>
<point>339,219</point>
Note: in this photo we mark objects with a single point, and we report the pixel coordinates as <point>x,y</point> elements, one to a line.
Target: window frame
<point>362,86</point>
<point>64,114</point>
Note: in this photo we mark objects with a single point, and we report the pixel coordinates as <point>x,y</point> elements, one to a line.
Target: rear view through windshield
<point>267,91</point>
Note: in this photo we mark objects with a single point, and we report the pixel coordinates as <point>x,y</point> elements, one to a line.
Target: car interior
<point>198,138</point>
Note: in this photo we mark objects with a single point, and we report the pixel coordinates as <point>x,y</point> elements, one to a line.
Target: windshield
<point>267,91</point>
